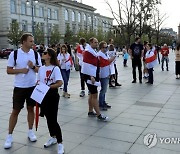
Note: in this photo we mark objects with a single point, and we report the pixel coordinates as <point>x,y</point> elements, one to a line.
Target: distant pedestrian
<point>165,53</point>
<point>80,50</point>
<point>125,56</point>
<point>136,53</point>
<point>66,63</point>
<point>151,61</point>
<point>114,76</point>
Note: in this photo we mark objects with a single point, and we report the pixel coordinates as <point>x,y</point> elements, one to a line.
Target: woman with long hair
<point>50,75</point>
<point>66,63</point>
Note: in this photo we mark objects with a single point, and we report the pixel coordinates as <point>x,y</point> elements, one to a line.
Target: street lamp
<point>31,2</point>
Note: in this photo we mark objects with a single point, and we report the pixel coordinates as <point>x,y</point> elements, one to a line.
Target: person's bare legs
<point>30,116</point>
<point>13,120</point>
<point>90,104</point>
<point>95,103</point>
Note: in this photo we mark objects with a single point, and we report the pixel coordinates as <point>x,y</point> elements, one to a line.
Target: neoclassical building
<point>49,13</point>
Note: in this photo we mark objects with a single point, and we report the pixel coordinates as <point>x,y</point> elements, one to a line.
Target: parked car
<point>4,53</point>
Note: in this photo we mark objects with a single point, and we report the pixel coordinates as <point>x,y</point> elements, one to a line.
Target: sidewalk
<point>137,110</point>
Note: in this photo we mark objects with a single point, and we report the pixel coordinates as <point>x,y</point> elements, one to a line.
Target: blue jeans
<point>65,76</point>
<point>104,84</point>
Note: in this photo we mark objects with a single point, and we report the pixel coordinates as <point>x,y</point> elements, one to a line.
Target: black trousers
<point>125,62</point>
<point>82,79</point>
<point>150,78</point>
<point>137,63</point>
<point>49,107</point>
<point>177,70</point>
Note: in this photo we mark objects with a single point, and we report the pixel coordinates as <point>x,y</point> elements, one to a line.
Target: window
<point>84,17</point>
<point>49,13</point>
<point>23,8</point>
<point>79,17</point>
<point>41,11</point>
<point>95,21</point>
<point>24,26</point>
<point>89,19</point>
<point>13,6</point>
<point>66,15</point>
<point>34,10</point>
<point>73,16</point>
<point>56,14</point>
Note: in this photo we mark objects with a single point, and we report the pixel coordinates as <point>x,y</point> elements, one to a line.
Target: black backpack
<point>35,54</point>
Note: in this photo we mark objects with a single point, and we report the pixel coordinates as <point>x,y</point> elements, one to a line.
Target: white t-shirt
<point>24,80</point>
<point>64,61</point>
<point>44,74</point>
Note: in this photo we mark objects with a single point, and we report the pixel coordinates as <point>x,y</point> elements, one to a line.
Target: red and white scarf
<point>90,61</point>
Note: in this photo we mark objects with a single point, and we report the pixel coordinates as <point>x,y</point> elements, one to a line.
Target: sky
<point>168,7</point>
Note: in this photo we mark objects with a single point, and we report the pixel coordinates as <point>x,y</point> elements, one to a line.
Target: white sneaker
<point>32,137</point>
<point>50,142</point>
<point>8,142</point>
<point>60,149</point>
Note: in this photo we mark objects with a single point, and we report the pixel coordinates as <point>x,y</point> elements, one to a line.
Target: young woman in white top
<point>50,75</point>
<point>66,63</point>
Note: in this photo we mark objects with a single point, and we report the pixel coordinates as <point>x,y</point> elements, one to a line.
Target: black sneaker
<point>111,86</point>
<point>102,118</point>
<point>134,81</point>
<point>118,84</point>
<point>140,81</point>
<point>92,114</point>
<point>107,106</point>
<point>104,108</point>
<point>82,93</point>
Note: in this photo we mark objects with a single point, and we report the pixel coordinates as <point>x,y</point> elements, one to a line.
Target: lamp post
<point>31,2</point>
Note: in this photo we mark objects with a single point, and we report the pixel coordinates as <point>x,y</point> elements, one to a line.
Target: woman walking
<point>50,75</point>
<point>66,63</point>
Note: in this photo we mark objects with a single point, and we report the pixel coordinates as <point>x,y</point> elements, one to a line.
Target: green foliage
<point>55,35</point>
<point>68,35</point>
<point>38,34</point>
<point>14,34</point>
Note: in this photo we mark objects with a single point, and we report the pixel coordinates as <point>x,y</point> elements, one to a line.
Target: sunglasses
<point>45,53</point>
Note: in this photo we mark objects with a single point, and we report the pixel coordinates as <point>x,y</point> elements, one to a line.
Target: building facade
<point>49,13</point>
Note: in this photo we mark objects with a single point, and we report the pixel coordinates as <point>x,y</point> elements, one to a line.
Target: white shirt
<point>24,80</point>
<point>46,73</point>
<point>64,61</point>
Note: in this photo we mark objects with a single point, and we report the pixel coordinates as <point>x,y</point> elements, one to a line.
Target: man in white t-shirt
<point>24,67</point>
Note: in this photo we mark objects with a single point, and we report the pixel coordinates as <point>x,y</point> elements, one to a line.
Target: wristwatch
<point>33,67</point>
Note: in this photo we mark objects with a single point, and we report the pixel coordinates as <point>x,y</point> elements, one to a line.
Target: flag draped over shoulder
<point>104,64</point>
<point>151,59</point>
<point>90,61</point>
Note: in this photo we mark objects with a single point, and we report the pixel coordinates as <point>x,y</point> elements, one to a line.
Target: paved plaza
<point>137,110</point>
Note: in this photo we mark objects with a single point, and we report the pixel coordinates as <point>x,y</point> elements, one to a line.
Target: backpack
<point>35,54</point>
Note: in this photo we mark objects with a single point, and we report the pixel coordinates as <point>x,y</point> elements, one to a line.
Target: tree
<point>68,35</point>
<point>38,34</point>
<point>132,16</point>
<point>14,34</point>
<point>55,35</point>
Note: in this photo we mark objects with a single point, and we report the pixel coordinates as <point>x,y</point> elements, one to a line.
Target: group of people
<point>97,67</point>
